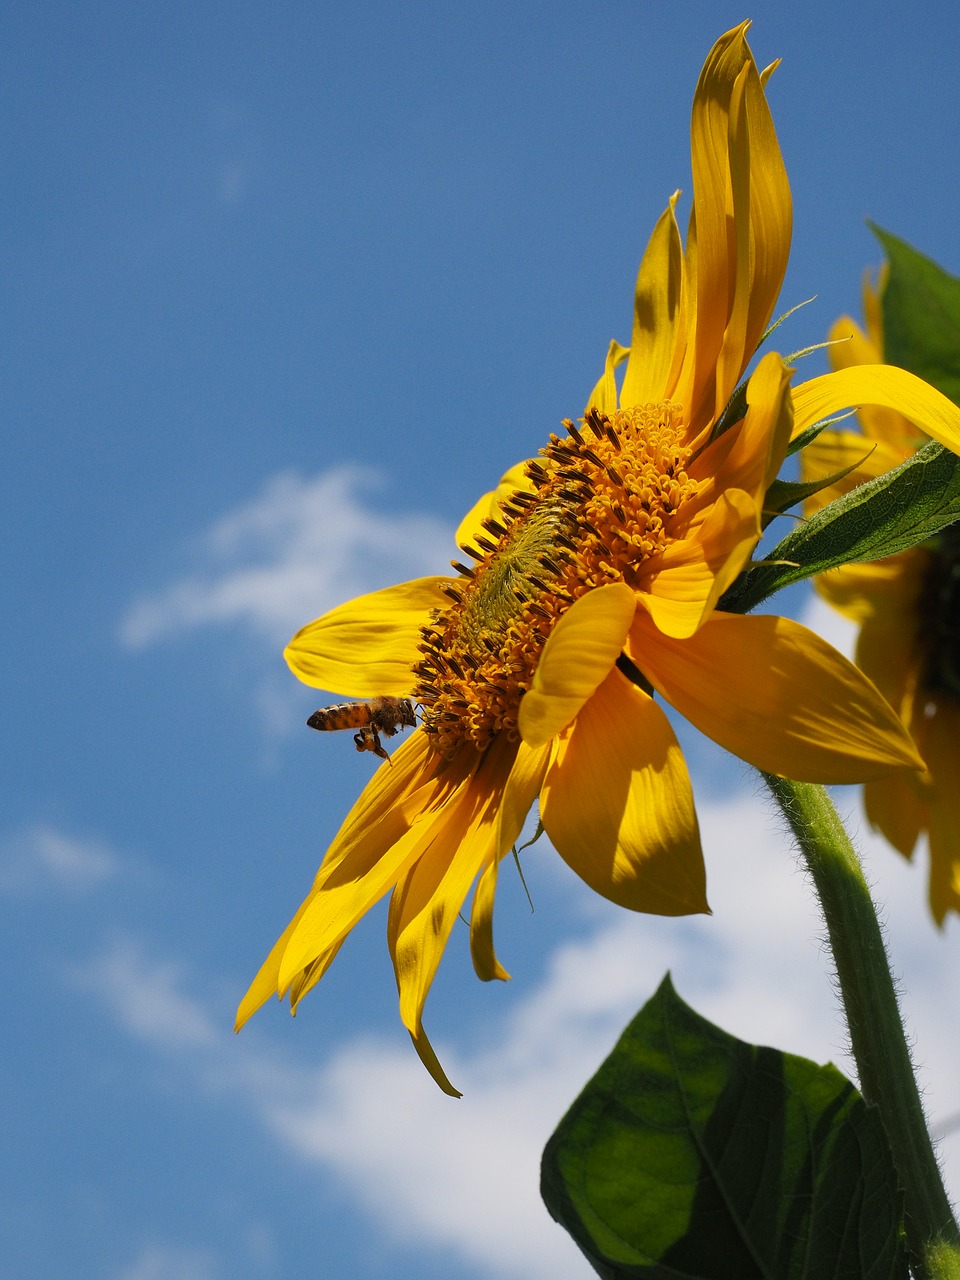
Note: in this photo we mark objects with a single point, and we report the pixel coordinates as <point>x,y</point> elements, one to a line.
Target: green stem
<point>873,1017</point>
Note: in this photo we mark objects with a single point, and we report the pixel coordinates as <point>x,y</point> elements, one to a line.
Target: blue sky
<point>286,287</point>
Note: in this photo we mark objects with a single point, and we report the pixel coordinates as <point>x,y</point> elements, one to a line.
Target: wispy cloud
<point>171,1262</point>
<point>40,858</point>
<point>144,997</point>
<point>464,1175</point>
<point>303,545</point>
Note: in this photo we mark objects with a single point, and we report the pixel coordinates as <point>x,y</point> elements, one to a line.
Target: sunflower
<point>589,586</point>
<point>908,610</point>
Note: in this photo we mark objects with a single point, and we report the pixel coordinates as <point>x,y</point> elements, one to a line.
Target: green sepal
<point>898,510</point>
<point>784,494</point>
<point>921,316</point>
<point>693,1154</point>
<point>810,434</point>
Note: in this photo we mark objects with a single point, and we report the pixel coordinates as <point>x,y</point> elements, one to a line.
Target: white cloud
<point>144,998</point>
<point>171,1262</point>
<point>300,547</point>
<point>463,1176</point>
<point>38,858</point>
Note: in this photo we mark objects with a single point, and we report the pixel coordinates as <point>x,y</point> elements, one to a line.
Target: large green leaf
<point>693,1154</point>
<point>898,510</point>
<point>921,316</point>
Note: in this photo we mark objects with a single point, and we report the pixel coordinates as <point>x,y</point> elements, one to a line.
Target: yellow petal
<point>377,841</point>
<point>604,394</point>
<point>835,451</point>
<point>656,315</point>
<point>777,696</point>
<point>750,454</point>
<point>618,807</point>
<point>521,790</point>
<point>942,750</point>
<point>428,1057</point>
<point>694,572</point>
<point>579,652</point>
<point>266,983</point>
<point>851,346</point>
<point>368,646</point>
<point>456,843</point>
<point>885,597</point>
<point>895,808</point>
<point>881,384</point>
<point>491,504</point>
<point>743,222</point>
<point>857,590</point>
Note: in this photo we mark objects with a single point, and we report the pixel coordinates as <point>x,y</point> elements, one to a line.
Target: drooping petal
<point>604,394</point>
<point>579,652</point>
<point>656,314</point>
<point>522,788</point>
<point>882,384</point>
<point>373,848</point>
<point>618,806</point>
<point>266,983</point>
<point>427,900</point>
<point>367,647</point>
<point>490,505</point>
<point>777,696</point>
<point>426,1054</point>
<point>380,817</point>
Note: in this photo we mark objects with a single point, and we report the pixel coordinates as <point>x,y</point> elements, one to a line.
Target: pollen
<point>602,501</point>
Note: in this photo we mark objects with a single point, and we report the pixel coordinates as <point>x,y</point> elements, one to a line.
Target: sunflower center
<point>600,504</point>
<point>938,616</point>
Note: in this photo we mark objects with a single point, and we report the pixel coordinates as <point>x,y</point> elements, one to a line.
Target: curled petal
<point>580,651</point>
<point>426,1054</point>
<point>743,223</point>
<point>604,394</point>
<point>618,806</point>
<point>777,696</point>
<point>878,384</point>
<point>656,314</point>
<point>368,646</point>
<point>942,750</point>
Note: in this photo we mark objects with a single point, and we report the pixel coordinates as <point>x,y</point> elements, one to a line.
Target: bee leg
<point>369,740</point>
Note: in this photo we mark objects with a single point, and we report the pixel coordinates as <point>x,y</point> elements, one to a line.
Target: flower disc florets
<point>603,501</point>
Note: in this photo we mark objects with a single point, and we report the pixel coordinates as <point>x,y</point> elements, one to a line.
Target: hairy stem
<point>876,1028</point>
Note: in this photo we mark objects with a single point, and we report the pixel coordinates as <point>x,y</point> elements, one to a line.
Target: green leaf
<point>693,1154</point>
<point>898,510</point>
<point>921,316</point>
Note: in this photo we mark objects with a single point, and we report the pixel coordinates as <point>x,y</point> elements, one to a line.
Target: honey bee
<point>371,718</point>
